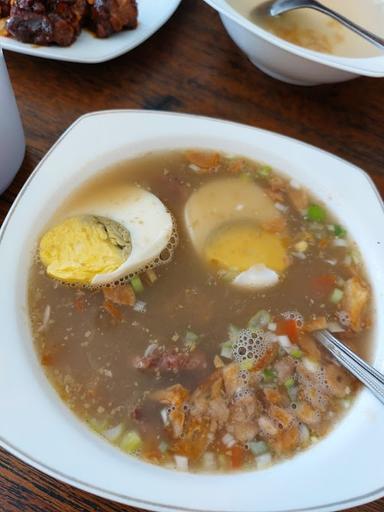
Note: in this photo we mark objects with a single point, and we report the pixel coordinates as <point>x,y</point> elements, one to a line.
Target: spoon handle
<point>366,34</point>
<point>368,375</point>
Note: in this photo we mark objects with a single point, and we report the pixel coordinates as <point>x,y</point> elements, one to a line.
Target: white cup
<point>12,142</point>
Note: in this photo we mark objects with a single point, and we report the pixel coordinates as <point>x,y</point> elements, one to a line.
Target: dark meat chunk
<point>47,22</point>
<point>5,7</point>
<point>110,16</point>
<point>171,360</point>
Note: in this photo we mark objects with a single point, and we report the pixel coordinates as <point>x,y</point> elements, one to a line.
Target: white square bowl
<point>343,470</point>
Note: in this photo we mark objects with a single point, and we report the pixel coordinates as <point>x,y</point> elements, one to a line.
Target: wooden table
<point>190,65</point>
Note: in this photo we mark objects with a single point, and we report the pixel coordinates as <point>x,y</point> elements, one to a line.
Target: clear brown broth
<point>87,355</point>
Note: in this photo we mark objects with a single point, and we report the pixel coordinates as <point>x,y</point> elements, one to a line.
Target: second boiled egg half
<point>236,228</point>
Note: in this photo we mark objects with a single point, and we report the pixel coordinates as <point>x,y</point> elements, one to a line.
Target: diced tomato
<point>289,328</point>
<point>47,359</point>
<point>237,457</point>
<point>113,310</point>
<point>80,303</point>
<point>323,285</point>
<point>204,160</point>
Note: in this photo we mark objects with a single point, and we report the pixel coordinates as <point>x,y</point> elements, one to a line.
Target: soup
<point>203,359</point>
<point>316,31</point>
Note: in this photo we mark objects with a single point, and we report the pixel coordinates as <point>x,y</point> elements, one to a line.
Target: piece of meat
<point>208,402</point>
<point>276,188</point>
<point>355,301</point>
<point>244,411</point>
<point>337,381</point>
<point>233,380</point>
<point>171,360</point>
<point>206,161</point>
<point>286,441</point>
<point>311,388</point>
<point>299,199</point>
<point>307,414</point>
<point>309,347</point>
<point>316,324</point>
<point>121,295</point>
<point>267,427</point>
<point>195,440</point>
<point>110,16</point>
<point>5,7</point>
<point>174,395</point>
<point>285,368</point>
<point>282,417</point>
<point>273,396</point>
<point>46,22</point>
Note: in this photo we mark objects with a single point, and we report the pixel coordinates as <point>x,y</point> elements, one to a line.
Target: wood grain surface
<point>192,66</point>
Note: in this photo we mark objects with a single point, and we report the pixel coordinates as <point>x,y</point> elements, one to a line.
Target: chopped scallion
<point>258,447</point>
<point>316,213</point>
<point>247,176</point>
<point>130,442</point>
<point>339,231</point>
<point>247,364</point>
<point>227,350</point>
<point>233,333</point>
<point>163,446</point>
<point>269,375</point>
<point>98,425</point>
<point>261,319</point>
<point>137,284</point>
<point>296,353</point>
<point>265,171</point>
<point>289,383</point>
<point>191,339</point>
<point>336,296</point>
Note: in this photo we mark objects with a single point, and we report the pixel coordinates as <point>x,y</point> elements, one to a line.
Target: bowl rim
<point>122,498</point>
<point>349,64</point>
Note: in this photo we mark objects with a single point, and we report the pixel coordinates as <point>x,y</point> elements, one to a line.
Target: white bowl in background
<point>288,62</point>
<point>343,470</point>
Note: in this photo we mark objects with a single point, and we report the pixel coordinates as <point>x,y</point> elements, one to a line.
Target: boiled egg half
<point>109,237</point>
<point>236,228</point>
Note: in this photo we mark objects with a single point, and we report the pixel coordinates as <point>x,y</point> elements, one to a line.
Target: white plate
<point>343,470</point>
<point>89,49</point>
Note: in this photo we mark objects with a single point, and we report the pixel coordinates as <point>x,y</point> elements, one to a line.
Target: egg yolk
<point>239,247</point>
<point>78,249</point>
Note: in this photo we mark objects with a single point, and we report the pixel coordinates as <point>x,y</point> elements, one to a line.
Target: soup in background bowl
<point>316,31</point>
<point>65,447</point>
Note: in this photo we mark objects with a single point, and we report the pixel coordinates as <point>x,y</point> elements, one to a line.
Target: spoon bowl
<point>278,7</point>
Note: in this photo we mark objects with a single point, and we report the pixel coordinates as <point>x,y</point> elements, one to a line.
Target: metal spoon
<point>276,7</point>
<point>366,374</point>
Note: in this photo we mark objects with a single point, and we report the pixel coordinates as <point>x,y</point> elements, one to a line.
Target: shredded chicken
<point>307,414</point>
<point>299,198</point>
<point>338,381</point>
<point>121,295</point>
<point>355,301</point>
<point>233,381</point>
<point>174,397</point>
<point>244,411</point>
<point>285,368</point>
<point>310,347</point>
<point>316,324</point>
